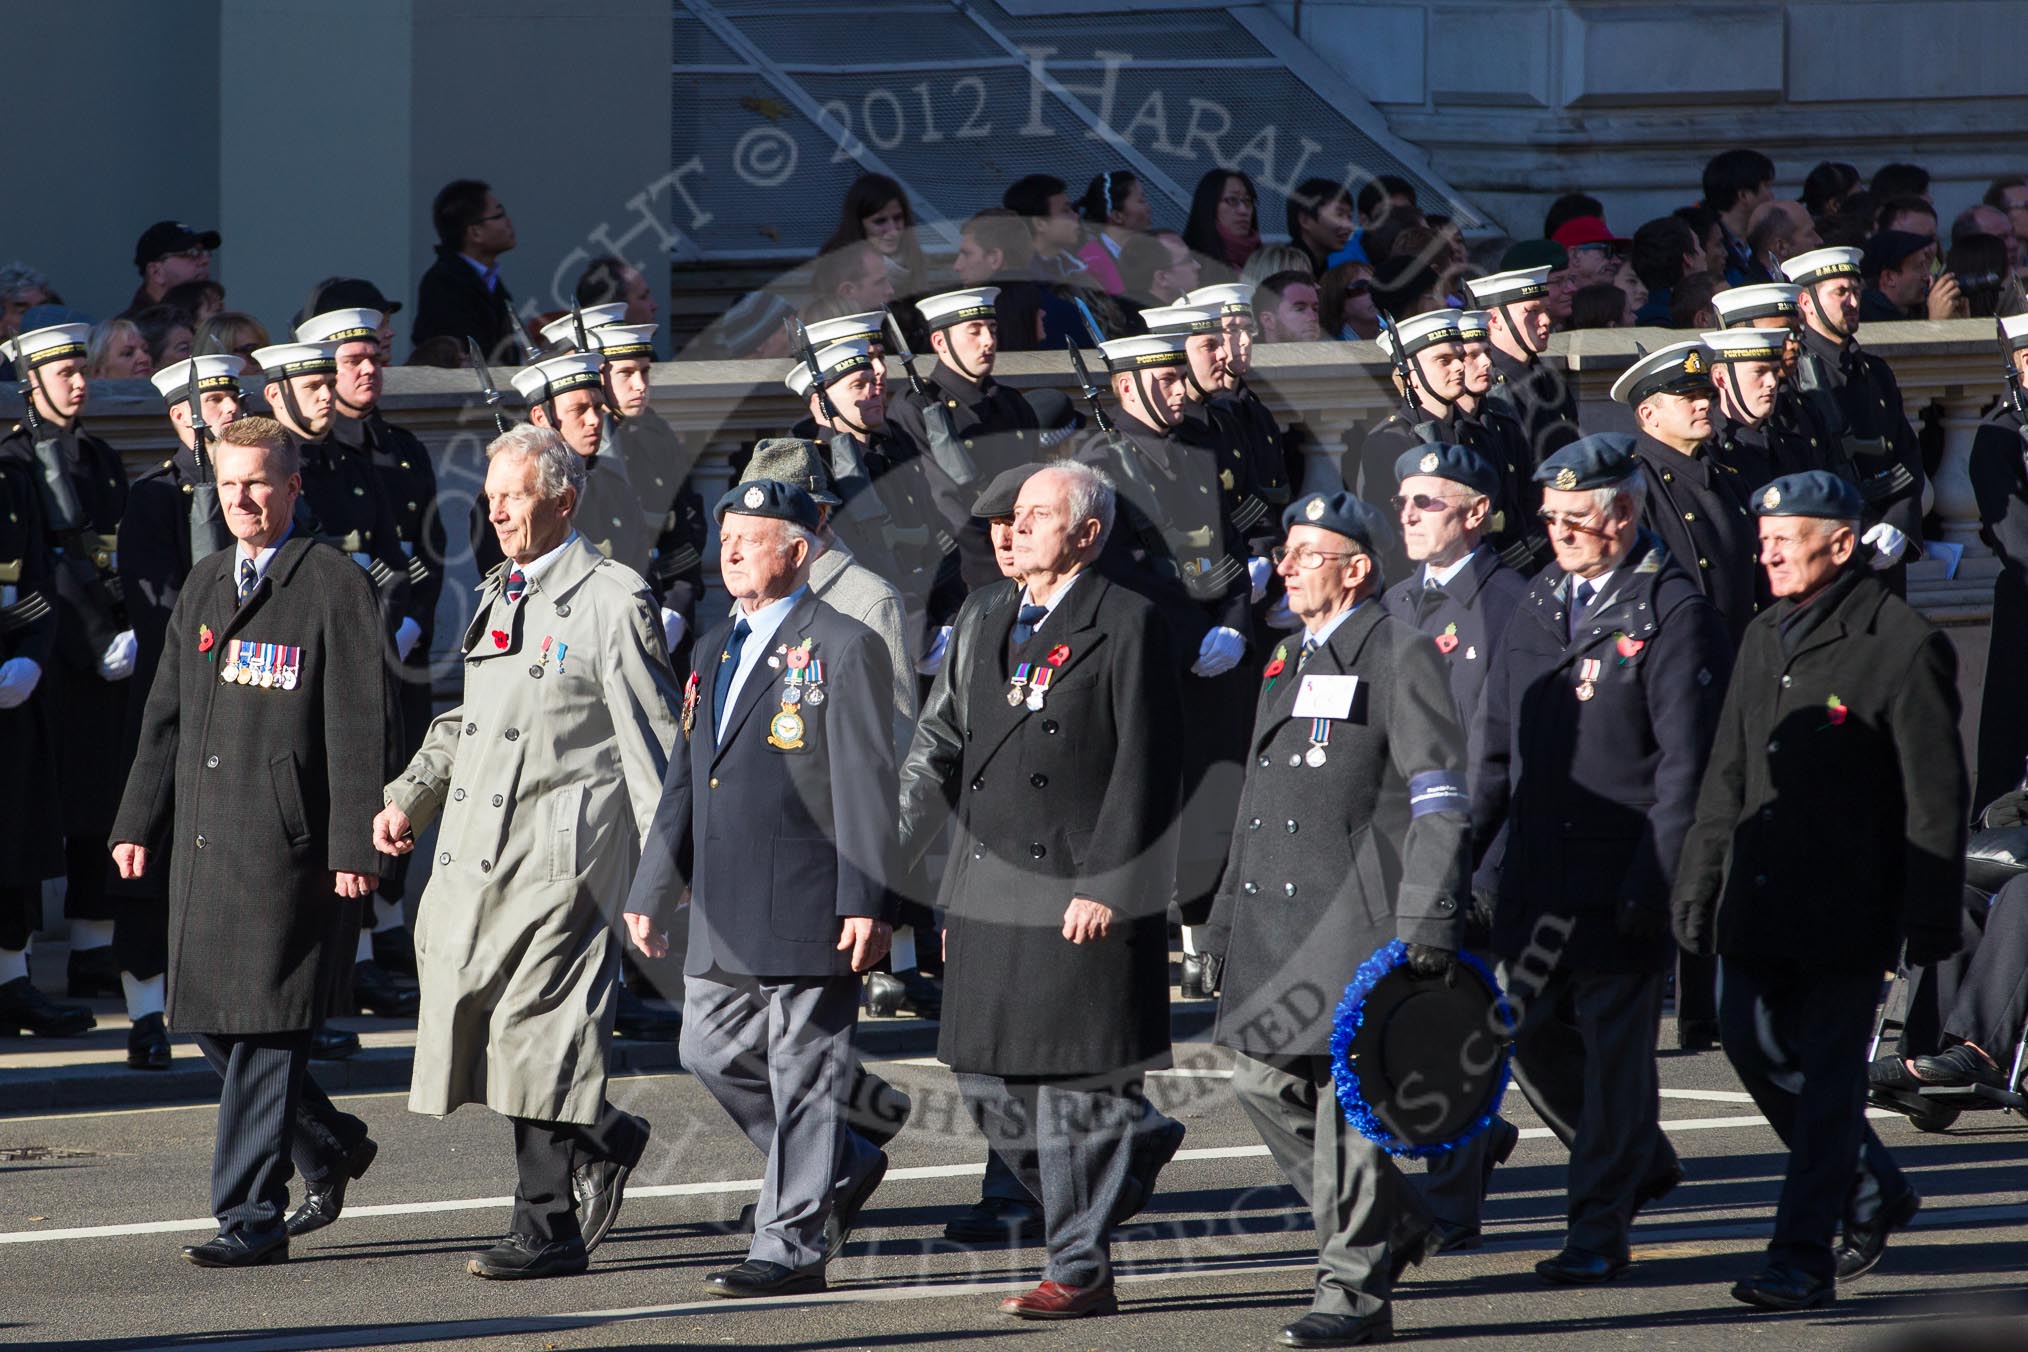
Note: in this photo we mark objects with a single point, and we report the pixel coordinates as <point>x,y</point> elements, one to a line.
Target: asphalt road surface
<point>93,1207</point>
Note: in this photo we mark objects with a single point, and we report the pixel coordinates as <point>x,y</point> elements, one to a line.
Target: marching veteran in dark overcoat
<point>261,742</point>
<point>1351,834</point>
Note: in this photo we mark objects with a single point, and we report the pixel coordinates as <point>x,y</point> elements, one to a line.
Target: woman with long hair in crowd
<point>876,210</point>
<point>1224,222</point>
<point>1117,208</point>
<point>117,351</point>
<point>232,331</point>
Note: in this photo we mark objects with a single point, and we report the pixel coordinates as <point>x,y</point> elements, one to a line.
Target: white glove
<point>673,629</point>
<point>405,635</point>
<point>18,679</point>
<point>118,662</point>
<point>1219,653</point>
<point>1258,571</point>
<point>933,660</point>
<point>1888,544</point>
<point>1279,616</point>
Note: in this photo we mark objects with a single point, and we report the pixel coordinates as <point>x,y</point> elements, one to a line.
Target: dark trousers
<point>325,1135</point>
<point>1696,987</point>
<point>546,1154</point>
<point>1797,1037</point>
<point>1069,1143</point>
<point>1454,1183</point>
<point>140,923</point>
<point>1980,994</point>
<point>1584,1054</point>
<point>258,1145</point>
<point>20,914</point>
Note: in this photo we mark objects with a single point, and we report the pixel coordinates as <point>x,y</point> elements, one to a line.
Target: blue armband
<point>1436,791</point>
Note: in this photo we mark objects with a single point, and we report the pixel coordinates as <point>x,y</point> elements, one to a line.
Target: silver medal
<point>1314,757</point>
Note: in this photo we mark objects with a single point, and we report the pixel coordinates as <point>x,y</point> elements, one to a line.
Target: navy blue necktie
<point>1309,647</point>
<point>728,663</point>
<point>1025,622</point>
<point>1580,601</point>
<point>248,579</point>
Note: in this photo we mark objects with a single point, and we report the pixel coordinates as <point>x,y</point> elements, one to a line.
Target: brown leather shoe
<point>1054,1300</point>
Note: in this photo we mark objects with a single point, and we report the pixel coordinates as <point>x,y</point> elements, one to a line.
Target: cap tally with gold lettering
<point>42,346</point>
<point>1744,304</point>
<point>959,307</point>
<point>214,371</point>
<point>1431,328</point>
<point>1504,288</point>
<point>1821,265</point>
<point>562,332</point>
<point>834,363</point>
<point>284,361</point>
<point>1231,298</point>
<point>623,342</point>
<point>1730,345</point>
<point>1145,351</point>
<point>1679,368</point>
<point>558,375</point>
<point>1474,326</point>
<point>341,326</point>
<point>1184,319</point>
<point>869,324</point>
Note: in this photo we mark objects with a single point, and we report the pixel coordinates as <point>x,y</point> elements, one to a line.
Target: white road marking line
<point>1709,1095</point>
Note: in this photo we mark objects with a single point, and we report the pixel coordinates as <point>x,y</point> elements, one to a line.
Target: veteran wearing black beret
<point>1829,834</point>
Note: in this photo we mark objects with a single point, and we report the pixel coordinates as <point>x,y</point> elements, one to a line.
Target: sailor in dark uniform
<point>867,326</point>
<point>1433,355</point>
<point>1538,397</point>
<point>1999,475</point>
<point>1268,476</point>
<point>1746,367</point>
<point>1793,435</point>
<point>1490,428</point>
<point>1858,399</point>
<point>81,496</point>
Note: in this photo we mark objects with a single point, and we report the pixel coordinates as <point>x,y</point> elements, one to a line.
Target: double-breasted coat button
<point>444,858</point>
<point>1253,825</point>
<point>458,795</point>
<point>498,800</point>
<point>1788,681</point>
<point>211,762</point>
<point>485,866</point>
<point>1263,762</point>
<point>513,734</point>
<point>1036,851</point>
<point>978,782</point>
<point>714,781</point>
<point>202,842</point>
<point>1040,781</point>
<point>1251,889</point>
<point>1290,826</point>
<point>1773,747</point>
<point>1288,889</point>
<point>471,728</point>
<point>1048,726</point>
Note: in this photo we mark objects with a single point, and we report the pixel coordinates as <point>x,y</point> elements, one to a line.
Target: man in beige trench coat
<point>547,777</point>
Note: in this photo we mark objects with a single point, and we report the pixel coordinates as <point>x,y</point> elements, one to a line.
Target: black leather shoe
<point>394,949</point>
<point>878,1111</point>
<point>923,993</point>
<point>333,1044</point>
<point>1696,1035</point>
<point>601,1187</point>
<point>1866,1241</point>
<point>325,1202</point>
<point>1455,1238</point>
<point>997,1220</point>
<point>519,1258</point>
<point>1891,1072</point>
<point>239,1249</point>
<point>1957,1066</point>
<point>376,991</point>
<point>1338,1330</point>
<point>1658,1187</point>
<point>25,1009</point>
<point>92,971</point>
<point>635,1018</point>
<point>1577,1267</point>
<point>1152,1152</point>
<point>148,1044</point>
<point>884,994</point>
<point>846,1207</point>
<point>1780,1288</point>
<point>755,1277</point>
<point>1190,978</point>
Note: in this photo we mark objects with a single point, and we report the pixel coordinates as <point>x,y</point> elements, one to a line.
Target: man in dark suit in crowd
<point>261,749</point>
<point>1829,832</point>
<point>1351,834</point>
<point>462,294</point>
<point>1592,740</point>
<point>778,814</point>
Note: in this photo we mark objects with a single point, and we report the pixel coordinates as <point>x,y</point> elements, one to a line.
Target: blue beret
<point>1444,460</point>
<point>1340,513</point>
<point>1601,460</point>
<point>1815,492</point>
<point>769,497</point>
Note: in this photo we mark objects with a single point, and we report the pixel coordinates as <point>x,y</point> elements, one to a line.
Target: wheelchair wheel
<point>1934,1117</point>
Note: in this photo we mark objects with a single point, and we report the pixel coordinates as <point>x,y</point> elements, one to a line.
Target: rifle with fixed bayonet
<point>2015,403</point>
<point>208,534</point>
<point>494,401</point>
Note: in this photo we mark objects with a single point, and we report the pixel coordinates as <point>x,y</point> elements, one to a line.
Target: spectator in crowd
<point>1852,225</point>
<point>168,254</point>
<point>1736,183</point>
<point>1980,265</point>
<point>462,295</point>
<point>1710,236</point>
<point>876,211</point>
<point>1690,303</point>
<point>1407,279</point>
<point>1272,258</point>
<point>1987,220</point>
<point>21,289</point>
<point>993,250</point>
<point>1900,180</point>
<point>1826,187</point>
<point>1630,284</point>
<point>1285,305</point>
<point>1157,269</point>
<point>1901,282</point>
<point>168,331</point>
<point>1593,250</point>
<point>1116,206</point>
<point>608,279</point>
<point>117,351</point>
<point>2011,196</point>
<point>1665,251</point>
<point>1568,208</point>
<point>443,352</point>
<point>1779,230</point>
<point>1224,219</point>
<point>1320,221</point>
<point>236,331</point>
<point>1601,306</point>
<point>1346,308</point>
<point>357,293</point>
<point>854,277</point>
<point>1908,213</point>
<point>1053,226</point>
<point>200,299</point>
<point>1389,198</point>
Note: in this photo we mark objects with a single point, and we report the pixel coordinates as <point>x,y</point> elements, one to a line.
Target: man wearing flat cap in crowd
<point>778,815</point>
<point>1351,834</point>
<point>1596,724</point>
<point>546,778</point>
<point>1829,841</point>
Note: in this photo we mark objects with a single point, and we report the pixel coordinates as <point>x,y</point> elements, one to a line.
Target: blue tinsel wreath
<point>1345,1078</point>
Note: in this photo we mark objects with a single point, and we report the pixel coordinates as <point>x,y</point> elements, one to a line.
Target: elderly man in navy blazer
<point>778,815</point>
